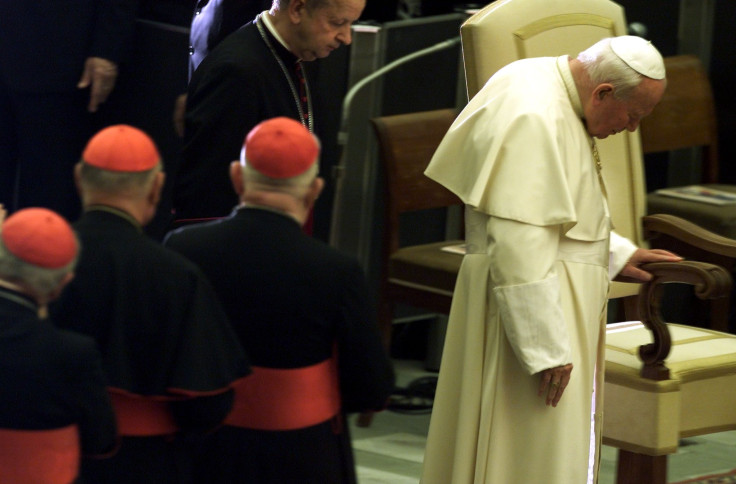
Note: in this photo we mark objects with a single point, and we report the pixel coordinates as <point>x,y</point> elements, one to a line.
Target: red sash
<point>39,456</point>
<point>286,399</point>
<point>141,416</point>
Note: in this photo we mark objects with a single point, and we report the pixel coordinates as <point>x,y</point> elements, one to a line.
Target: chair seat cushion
<point>426,265</point>
<point>696,353</point>
<point>649,416</point>
<point>720,219</point>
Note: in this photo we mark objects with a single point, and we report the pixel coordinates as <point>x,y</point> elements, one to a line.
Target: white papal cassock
<point>532,290</point>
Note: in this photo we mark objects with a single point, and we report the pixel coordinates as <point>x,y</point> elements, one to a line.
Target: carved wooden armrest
<point>676,229</point>
<point>710,281</point>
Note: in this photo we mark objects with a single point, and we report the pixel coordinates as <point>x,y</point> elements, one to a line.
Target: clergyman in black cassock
<point>168,349</point>
<point>258,72</point>
<point>301,310</point>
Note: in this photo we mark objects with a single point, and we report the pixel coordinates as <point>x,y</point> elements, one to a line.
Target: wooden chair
<point>686,118</point>
<point>686,115</point>
<point>507,30</point>
<point>419,275</point>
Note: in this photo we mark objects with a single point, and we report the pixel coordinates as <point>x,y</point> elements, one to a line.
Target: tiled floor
<point>390,451</point>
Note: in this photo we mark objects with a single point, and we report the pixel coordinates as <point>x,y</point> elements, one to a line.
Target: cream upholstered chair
<point>685,387</point>
<point>507,30</point>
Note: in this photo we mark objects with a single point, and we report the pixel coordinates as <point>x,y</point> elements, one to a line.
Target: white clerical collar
<point>563,66</point>
<point>269,25</point>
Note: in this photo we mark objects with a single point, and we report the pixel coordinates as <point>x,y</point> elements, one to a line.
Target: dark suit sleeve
<point>96,419</point>
<point>222,106</point>
<point>112,36</point>
<point>366,374</point>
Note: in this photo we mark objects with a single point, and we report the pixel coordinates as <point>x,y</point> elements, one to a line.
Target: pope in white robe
<point>531,294</point>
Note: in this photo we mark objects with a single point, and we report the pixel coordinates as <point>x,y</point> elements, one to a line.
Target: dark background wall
<point>723,78</point>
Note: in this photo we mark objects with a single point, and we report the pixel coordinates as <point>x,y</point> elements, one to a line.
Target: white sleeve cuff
<point>620,251</point>
<point>534,324</point>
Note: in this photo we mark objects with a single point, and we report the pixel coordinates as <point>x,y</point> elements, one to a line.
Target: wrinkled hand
<point>553,383</point>
<point>631,271</point>
<point>99,74</point>
<point>180,107</point>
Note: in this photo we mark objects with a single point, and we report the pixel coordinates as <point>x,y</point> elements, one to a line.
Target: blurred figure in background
<point>58,63</point>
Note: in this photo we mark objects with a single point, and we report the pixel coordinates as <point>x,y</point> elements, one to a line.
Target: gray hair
<point>603,66</point>
<point>117,182</point>
<point>41,280</point>
<point>296,186</point>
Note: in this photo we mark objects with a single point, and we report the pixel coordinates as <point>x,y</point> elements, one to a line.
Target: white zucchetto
<point>639,54</point>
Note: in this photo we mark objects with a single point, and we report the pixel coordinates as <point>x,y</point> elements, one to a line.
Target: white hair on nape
<point>603,66</point>
<point>295,185</point>
<point>42,280</point>
<point>117,182</point>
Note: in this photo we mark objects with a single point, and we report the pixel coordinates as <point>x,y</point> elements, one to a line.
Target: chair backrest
<point>407,143</point>
<point>508,30</point>
<point>686,115</point>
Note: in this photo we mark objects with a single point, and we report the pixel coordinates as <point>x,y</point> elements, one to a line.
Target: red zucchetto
<point>40,237</point>
<point>121,148</point>
<point>280,148</point>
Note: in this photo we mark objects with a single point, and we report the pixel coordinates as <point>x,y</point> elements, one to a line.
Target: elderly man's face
<point>323,30</point>
<point>608,115</point>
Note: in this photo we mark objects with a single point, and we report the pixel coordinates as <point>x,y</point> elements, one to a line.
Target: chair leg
<point>719,315</point>
<point>385,322</point>
<point>365,419</point>
<point>641,469</point>
<point>631,308</point>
